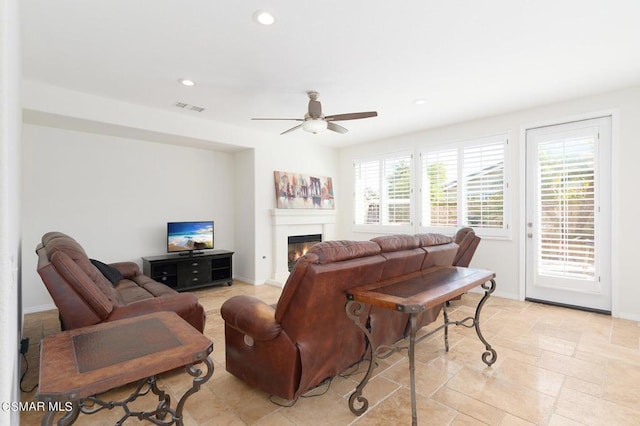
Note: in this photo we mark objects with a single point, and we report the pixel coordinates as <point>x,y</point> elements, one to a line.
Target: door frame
<point>615,196</point>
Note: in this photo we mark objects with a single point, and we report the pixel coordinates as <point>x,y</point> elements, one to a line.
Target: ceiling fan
<point>314,122</point>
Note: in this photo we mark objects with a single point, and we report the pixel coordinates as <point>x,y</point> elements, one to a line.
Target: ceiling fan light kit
<point>314,125</point>
<point>314,122</point>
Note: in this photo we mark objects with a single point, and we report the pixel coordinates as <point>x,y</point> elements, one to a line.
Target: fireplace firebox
<point>298,246</point>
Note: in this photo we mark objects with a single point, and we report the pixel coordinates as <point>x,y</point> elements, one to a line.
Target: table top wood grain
<point>78,363</point>
<point>421,290</point>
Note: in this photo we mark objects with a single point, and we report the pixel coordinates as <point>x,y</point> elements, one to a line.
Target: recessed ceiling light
<point>186,82</point>
<point>263,17</point>
<point>420,101</point>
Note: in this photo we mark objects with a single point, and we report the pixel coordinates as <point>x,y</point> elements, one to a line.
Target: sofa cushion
<point>337,251</point>
<point>112,274</point>
<point>389,243</point>
<point>427,240</point>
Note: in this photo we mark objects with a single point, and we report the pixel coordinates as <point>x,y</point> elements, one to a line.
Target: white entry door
<point>568,226</point>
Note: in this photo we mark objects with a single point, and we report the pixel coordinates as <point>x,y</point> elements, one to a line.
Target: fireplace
<point>287,222</point>
<point>298,246</point>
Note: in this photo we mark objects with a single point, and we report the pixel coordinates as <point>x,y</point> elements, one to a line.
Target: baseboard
<point>628,316</point>
<point>39,308</point>
<point>246,280</point>
<point>496,293</point>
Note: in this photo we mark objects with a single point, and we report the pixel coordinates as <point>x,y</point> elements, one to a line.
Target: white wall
<point>10,119</point>
<point>244,212</point>
<point>115,196</point>
<point>284,155</point>
<point>504,256</point>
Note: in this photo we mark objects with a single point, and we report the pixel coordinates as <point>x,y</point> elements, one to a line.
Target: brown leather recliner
<point>84,296</point>
<point>467,241</point>
<point>291,348</point>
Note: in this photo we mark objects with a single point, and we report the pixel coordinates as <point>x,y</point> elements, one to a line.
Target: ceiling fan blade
<point>291,129</point>
<point>285,119</point>
<point>351,116</point>
<point>336,127</point>
<point>315,109</point>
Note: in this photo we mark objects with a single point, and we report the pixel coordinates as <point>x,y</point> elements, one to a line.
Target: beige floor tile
<point>504,395</point>
<point>557,420</point>
<point>556,366</point>
<point>428,378</point>
<point>589,410</point>
<point>274,419</point>
<point>510,420</point>
<point>464,420</point>
<point>376,390</point>
<point>484,413</point>
<point>328,409</point>
<point>529,376</point>
<point>622,384</point>
<point>580,369</point>
<point>396,410</point>
<point>593,389</point>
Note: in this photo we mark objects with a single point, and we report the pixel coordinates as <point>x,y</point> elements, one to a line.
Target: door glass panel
<point>566,205</point>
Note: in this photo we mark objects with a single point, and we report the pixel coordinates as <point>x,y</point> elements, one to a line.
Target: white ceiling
<point>467,58</point>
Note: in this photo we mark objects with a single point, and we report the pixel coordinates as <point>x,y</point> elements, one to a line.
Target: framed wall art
<point>301,191</point>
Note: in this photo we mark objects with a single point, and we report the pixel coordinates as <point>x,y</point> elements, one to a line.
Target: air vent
<point>189,107</point>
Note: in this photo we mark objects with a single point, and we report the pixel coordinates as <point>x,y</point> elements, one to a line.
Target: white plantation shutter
<point>566,190</point>
<point>483,173</point>
<point>464,184</point>
<point>440,189</point>
<point>383,191</point>
<point>367,192</point>
<point>397,185</point>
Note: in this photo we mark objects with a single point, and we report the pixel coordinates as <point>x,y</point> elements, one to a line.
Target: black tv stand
<point>190,253</point>
<point>184,271</point>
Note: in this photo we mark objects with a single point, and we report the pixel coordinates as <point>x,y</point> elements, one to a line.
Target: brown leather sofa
<point>85,296</point>
<point>307,337</point>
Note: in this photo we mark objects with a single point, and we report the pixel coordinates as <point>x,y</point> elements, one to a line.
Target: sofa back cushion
<point>402,253</point>
<point>74,276</point>
<point>58,242</point>
<point>338,251</point>
<point>432,239</point>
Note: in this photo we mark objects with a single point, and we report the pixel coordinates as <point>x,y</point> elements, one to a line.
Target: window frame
<point>382,227</point>
<point>460,146</point>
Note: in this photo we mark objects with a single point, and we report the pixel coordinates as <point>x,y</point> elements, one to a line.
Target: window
<point>464,185</point>
<point>383,191</point>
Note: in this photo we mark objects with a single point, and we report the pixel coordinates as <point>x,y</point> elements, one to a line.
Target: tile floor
<point>555,366</point>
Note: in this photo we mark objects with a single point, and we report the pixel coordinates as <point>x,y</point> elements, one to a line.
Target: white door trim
<point>615,196</point>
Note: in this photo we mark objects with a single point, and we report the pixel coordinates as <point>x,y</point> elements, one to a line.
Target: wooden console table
<point>412,295</point>
<point>78,364</point>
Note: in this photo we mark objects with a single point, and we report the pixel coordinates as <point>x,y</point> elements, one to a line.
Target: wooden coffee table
<point>414,294</point>
<point>76,365</point>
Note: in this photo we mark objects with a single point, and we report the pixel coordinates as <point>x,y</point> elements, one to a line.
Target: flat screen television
<point>189,237</point>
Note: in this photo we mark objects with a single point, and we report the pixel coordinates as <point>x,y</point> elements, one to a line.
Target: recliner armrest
<point>181,303</point>
<point>127,269</point>
<point>251,316</point>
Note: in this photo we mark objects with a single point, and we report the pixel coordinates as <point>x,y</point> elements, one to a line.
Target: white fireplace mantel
<point>287,222</point>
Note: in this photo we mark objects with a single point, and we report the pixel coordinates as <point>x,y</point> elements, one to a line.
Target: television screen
<point>189,236</point>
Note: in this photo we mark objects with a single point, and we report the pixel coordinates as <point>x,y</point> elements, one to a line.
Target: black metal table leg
<point>353,310</point>
<point>412,367</point>
<point>489,356</point>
